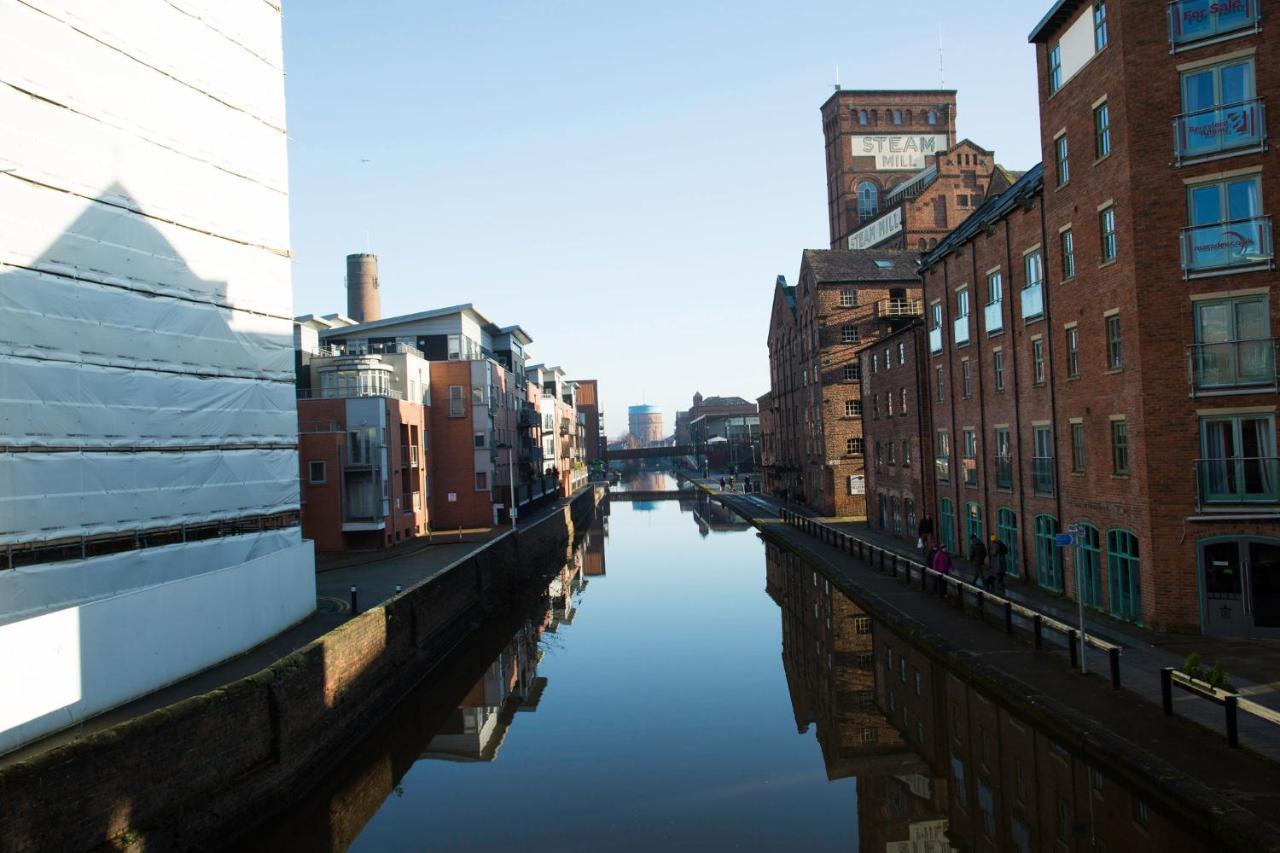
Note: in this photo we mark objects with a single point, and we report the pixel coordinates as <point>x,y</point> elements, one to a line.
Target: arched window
<point>868,201</point>
<point>897,116</point>
<point>1048,557</point>
<point>1007,532</point>
<point>880,503</point>
<point>972,521</point>
<point>921,244</point>
<point>1122,569</point>
<point>862,117</point>
<point>1089,566</point>
<point>947,524</point>
<point>932,118</point>
<point>897,516</point>
<point>909,507</point>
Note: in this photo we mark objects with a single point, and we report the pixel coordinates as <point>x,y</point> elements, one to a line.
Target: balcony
<point>993,317</point>
<point>1220,131</point>
<point>960,328</point>
<point>1237,480</point>
<point>935,340</point>
<point>528,418</point>
<point>1237,244</point>
<point>1196,22</point>
<point>1042,475</point>
<point>1230,365</point>
<point>564,426</point>
<point>892,309</point>
<point>1033,301</point>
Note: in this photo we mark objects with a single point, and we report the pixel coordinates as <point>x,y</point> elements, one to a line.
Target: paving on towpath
<point>1190,767</point>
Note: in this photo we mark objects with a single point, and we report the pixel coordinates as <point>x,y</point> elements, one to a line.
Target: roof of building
<point>1058,15</point>
<point>829,265</point>
<point>724,401</point>
<point>467,307</point>
<point>518,333</point>
<point>994,208</point>
<point>839,92</point>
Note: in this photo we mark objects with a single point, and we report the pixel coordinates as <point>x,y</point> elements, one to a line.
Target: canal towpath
<point>1172,758</point>
<point>376,576</point>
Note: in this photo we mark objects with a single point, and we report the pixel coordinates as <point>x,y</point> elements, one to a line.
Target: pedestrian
<point>732,484</point>
<point>925,529</point>
<point>722,484</point>
<point>941,565</point>
<point>999,554</point>
<point>977,556</point>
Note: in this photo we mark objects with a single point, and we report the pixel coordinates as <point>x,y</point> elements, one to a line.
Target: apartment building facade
<point>1119,381</point>
<point>843,301</point>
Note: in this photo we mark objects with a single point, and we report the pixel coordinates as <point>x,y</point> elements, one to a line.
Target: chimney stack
<point>363,303</point>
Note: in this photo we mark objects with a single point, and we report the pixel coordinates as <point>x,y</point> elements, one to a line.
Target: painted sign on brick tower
<point>905,151</point>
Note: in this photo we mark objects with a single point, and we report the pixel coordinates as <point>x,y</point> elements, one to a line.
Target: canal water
<point>683,685</point>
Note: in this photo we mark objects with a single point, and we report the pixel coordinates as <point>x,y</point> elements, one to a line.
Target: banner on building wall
<point>902,151</point>
<point>877,232</point>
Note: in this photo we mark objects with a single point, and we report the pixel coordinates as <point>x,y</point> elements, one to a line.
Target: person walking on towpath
<point>977,556</point>
<point>942,565</point>
<point>999,553</point>
<point>722,484</point>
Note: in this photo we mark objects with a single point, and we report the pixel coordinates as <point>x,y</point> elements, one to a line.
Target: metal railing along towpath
<point>911,571</point>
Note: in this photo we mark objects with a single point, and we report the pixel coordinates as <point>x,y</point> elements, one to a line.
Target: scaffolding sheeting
<point>54,496</point>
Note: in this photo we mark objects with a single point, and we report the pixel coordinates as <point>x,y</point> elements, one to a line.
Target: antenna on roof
<point>837,87</point>
<point>942,77</point>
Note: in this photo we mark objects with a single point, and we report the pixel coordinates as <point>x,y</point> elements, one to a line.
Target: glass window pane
<point>1198,91</point>
<point>1242,199</point>
<point>1236,83</point>
<point>1206,204</point>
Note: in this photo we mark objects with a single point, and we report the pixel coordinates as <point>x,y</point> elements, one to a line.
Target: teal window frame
<point>1007,532</point>
<point>1124,572</point>
<point>1089,565</point>
<point>1048,554</point>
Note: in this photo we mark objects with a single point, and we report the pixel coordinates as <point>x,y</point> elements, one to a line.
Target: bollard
<point>1072,634</point>
<point>1008,617</point>
<point>354,610</point>
<point>1233,724</point>
<point>1035,629</point>
<point>1166,689</point>
<point>1114,654</point>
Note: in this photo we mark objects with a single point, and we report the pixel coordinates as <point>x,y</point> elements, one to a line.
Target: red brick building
<point>842,302</point>
<point>897,417</point>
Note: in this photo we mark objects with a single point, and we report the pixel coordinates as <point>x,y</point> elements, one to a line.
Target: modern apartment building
<point>1120,380</point>
<point>564,428</point>
<point>148,439</point>
<point>588,404</point>
<point>844,301</point>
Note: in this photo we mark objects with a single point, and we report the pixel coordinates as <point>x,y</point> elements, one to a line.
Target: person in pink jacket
<point>941,565</point>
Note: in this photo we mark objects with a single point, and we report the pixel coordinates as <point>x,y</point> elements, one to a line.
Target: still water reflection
<point>645,707</point>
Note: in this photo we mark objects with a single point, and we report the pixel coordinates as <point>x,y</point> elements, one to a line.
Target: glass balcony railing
<point>1227,245</point>
<point>935,340</point>
<point>1192,21</point>
<point>1229,128</point>
<point>1033,300</point>
<point>1232,364</point>
<point>993,317</point>
<point>960,328</point>
<point>1238,480</point>
<point>1042,475</point>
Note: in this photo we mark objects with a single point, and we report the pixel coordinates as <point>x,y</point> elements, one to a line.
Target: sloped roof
<point>993,209</point>
<point>830,265</point>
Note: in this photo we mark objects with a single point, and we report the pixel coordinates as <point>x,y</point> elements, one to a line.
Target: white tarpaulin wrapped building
<point>148,435</point>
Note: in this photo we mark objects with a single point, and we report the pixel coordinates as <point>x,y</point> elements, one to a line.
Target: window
<point>946,524</point>
<point>1065,832</point>
<point>1107,230</point>
<point>1099,25</point>
<point>317,473</point>
<point>889,446</point>
<point>853,446</point>
<point>932,117</point>
<point>1042,461</point>
<point>902,401</point>
<point>1020,834</point>
<point>1101,131</point>
<point>1119,447</point>
<point>1238,463</point>
<point>909,506</point>
<point>1037,361</point>
<point>935,328</point>
<point>1077,448</point>
<point>937,371</point>
<point>1233,344</point>
<point>1055,68</point>
<point>482,481</point>
<point>875,363</point>
<point>1122,565</point>
<point>1115,354</point>
<point>902,353</point>
<point>888,403</point>
<point>906,453</point>
<point>868,201</point>
<point>957,778</point>
<point>1004,459</point>
<point>1226,225</point>
<point>1033,290</point>
<point>1088,565</point>
<point>852,408</point>
<point>993,314</point>
<point>852,372</point>
<point>962,316</point>
<point>1141,814</point>
<point>988,805</point>
<point>897,116</point>
<point>848,297</point>
<point>1073,352</point>
<point>457,401</point>
<point>997,368</point>
<point>1048,556</point>
<point>970,461</point>
<point>1068,254</point>
<point>1221,112</point>
<point>1007,531</point>
<point>848,334</point>
<point>942,460</point>
<point>1060,157</point>
<point>480,439</point>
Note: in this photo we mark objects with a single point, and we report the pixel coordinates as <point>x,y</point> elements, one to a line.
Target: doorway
<point>1241,586</point>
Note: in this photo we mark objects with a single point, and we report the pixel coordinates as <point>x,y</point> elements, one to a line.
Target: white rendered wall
<point>69,664</point>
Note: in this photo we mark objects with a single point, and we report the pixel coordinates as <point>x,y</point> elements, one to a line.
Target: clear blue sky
<point>624,180</point>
